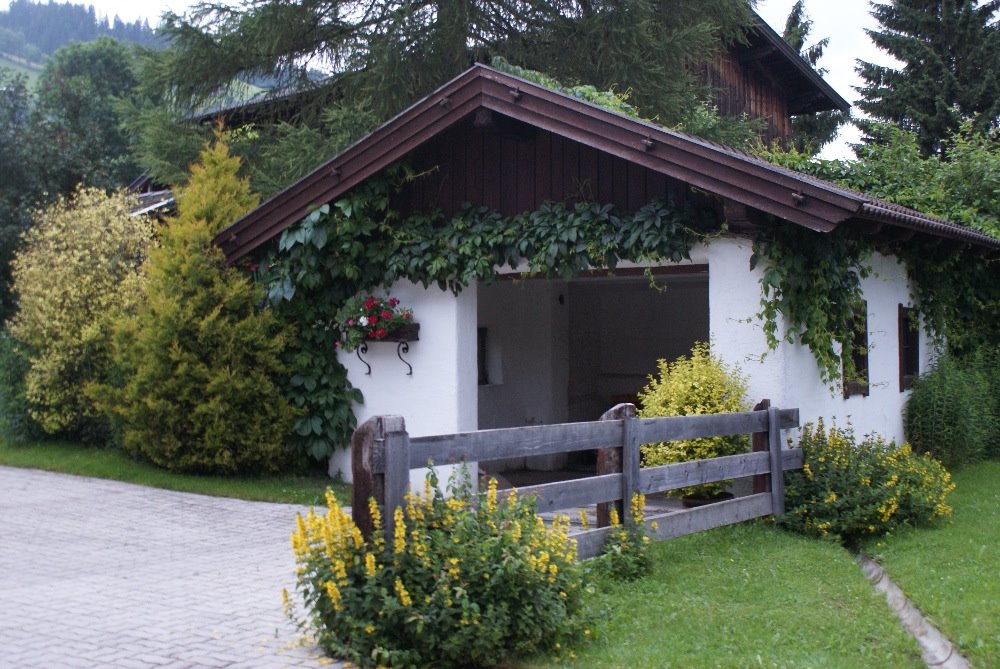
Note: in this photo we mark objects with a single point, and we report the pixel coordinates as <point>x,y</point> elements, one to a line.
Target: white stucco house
<point>522,351</point>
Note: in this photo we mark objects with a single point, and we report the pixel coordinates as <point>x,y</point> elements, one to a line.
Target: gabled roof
<point>807,91</point>
<point>714,168</point>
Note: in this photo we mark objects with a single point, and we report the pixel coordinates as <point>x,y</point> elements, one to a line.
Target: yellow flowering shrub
<point>626,552</point>
<point>72,276</point>
<point>463,581</point>
<point>852,490</point>
<point>692,386</point>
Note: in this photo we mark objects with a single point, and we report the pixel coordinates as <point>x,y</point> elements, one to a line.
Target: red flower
<point>252,268</point>
<point>386,315</point>
<point>393,302</point>
<point>379,334</point>
<point>370,303</point>
<point>372,320</point>
<point>407,315</point>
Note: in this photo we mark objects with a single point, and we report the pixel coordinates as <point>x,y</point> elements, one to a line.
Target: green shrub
<point>16,423</point>
<point>700,384</point>
<point>951,411</point>
<point>626,552</point>
<point>463,584</point>
<point>73,271</point>
<point>200,363</point>
<point>853,490</point>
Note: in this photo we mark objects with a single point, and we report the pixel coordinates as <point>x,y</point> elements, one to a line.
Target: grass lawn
<point>110,464</point>
<point>746,596</point>
<point>952,572</point>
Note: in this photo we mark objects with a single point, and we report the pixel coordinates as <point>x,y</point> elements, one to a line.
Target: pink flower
<point>407,315</point>
<point>350,322</point>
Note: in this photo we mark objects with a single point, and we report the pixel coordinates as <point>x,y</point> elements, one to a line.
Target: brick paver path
<point>98,573</point>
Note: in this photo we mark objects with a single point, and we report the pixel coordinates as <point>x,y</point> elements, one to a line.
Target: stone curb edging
<point>937,650</point>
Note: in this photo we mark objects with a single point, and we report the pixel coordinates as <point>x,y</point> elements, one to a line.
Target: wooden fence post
<point>777,472</point>
<point>397,476</point>
<point>611,461</point>
<point>368,467</point>
<point>759,441</point>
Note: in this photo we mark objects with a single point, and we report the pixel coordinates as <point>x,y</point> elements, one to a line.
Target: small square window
<point>857,384</point>
<point>909,347</point>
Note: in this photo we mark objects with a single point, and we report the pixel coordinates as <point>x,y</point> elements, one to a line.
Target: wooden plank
<point>670,525</point>
<point>792,458</point>
<point>609,461</point>
<point>652,430</point>
<point>397,477</point>
<point>591,543</point>
<point>686,474</point>
<point>514,442</point>
<point>777,472</point>
<point>630,465</point>
<point>758,443</point>
<point>575,493</point>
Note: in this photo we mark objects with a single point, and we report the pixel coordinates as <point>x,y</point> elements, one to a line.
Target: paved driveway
<point>104,574</point>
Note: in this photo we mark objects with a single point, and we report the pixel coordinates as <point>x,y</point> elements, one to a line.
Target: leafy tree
<point>69,276</point>
<point>810,132</point>
<point>388,53</point>
<point>950,55</point>
<point>78,94</point>
<point>18,174</point>
<point>200,362</point>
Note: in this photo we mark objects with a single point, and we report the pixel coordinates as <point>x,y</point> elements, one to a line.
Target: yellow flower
<point>399,532</point>
<point>402,594</point>
<point>370,565</point>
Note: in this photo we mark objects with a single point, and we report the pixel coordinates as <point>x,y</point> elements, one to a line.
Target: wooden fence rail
<point>383,454</point>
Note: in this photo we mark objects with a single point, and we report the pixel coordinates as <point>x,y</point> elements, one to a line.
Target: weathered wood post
<point>616,460</point>
<point>368,468</point>
<point>777,471</point>
<point>759,442</point>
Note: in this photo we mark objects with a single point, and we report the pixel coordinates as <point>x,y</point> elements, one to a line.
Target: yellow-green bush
<point>852,490</point>
<point>462,584</point>
<point>199,365</point>
<point>71,274</point>
<point>692,386</point>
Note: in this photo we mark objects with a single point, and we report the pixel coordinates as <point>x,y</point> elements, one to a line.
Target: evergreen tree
<point>950,55</point>
<point>810,132</point>
<point>200,361</point>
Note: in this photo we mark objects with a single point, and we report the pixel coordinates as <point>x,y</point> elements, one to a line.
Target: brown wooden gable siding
<point>515,174</point>
<point>744,88</point>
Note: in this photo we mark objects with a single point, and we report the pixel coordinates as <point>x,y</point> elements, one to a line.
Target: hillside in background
<point>31,31</point>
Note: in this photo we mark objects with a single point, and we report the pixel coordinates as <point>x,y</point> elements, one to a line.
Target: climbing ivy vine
<point>360,243</point>
<point>812,281</point>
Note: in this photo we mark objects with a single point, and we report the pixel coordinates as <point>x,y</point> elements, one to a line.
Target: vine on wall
<point>813,282</point>
<point>360,243</point>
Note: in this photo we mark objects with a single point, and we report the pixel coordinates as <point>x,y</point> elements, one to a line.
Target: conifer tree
<point>810,132</point>
<point>950,56</point>
<point>201,361</point>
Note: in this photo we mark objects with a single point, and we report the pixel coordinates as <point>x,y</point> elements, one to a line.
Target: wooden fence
<point>383,454</point>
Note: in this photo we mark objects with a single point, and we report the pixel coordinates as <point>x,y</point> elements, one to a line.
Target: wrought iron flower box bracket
<point>402,336</point>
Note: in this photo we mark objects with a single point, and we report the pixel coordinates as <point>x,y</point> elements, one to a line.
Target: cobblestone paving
<point>98,573</point>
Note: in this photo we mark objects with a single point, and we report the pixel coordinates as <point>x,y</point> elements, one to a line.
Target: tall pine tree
<point>950,56</point>
<point>810,132</point>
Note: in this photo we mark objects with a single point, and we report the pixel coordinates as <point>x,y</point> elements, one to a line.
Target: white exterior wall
<point>441,395</point>
<point>789,376</point>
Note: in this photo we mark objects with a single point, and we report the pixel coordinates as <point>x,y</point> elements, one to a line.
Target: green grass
<point>746,596</point>
<point>952,571</point>
<point>110,464</point>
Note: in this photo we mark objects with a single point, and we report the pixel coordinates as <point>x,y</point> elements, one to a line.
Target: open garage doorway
<point>566,351</point>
